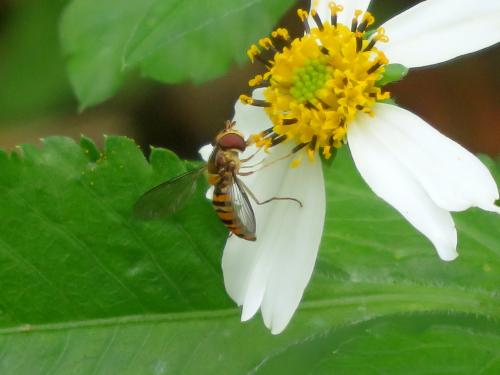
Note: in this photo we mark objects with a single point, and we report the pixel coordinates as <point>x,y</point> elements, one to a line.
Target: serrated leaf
<point>88,289</point>
<point>168,40</point>
<point>392,73</point>
<point>89,148</point>
<point>68,237</point>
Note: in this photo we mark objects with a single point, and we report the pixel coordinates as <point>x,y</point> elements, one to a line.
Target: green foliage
<point>32,73</point>
<point>405,344</point>
<point>70,243</point>
<point>392,73</point>
<point>168,40</point>
<point>88,289</point>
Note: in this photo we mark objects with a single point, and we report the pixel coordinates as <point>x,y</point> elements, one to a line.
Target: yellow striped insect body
<point>230,199</point>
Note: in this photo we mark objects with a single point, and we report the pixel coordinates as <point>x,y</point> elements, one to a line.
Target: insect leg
<point>246,173</point>
<point>254,198</point>
<point>253,165</point>
<point>251,156</point>
<point>294,151</point>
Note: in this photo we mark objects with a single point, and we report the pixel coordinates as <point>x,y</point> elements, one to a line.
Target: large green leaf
<point>32,73</point>
<point>88,289</point>
<point>392,73</point>
<point>408,344</point>
<point>168,40</point>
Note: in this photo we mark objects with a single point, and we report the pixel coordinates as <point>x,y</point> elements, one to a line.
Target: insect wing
<point>168,197</point>
<point>241,205</point>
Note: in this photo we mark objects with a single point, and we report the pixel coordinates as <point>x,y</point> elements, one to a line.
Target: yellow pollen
<point>327,153</point>
<point>245,99</point>
<point>266,43</point>
<point>295,163</point>
<point>257,80</point>
<point>252,52</point>
<point>317,84</point>
<point>368,18</point>
<point>380,36</point>
<point>334,8</point>
<point>281,33</point>
<point>302,14</point>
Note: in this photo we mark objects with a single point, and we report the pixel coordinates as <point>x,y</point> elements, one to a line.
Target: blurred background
<point>460,98</point>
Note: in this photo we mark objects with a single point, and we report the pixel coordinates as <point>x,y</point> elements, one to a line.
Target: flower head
<point>321,91</point>
<point>317,84</point>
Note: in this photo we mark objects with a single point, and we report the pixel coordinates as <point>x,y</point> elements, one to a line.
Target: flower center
<point>316,84</point>
<point>309,78</point>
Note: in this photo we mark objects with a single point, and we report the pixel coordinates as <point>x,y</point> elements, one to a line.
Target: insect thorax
<point>222,165</point>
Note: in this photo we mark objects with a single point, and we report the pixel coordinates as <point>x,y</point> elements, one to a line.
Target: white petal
<point>345,16</point>
<point>272,273</point>
<point>454,178</point>
<point>210,193</point>
<point>394,183</point>
<point>251,119</point>
<point>205,151</point>
<point>434,31</point>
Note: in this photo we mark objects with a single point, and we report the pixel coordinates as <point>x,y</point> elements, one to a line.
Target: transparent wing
<point>168,197</point>
<point>241,205</point>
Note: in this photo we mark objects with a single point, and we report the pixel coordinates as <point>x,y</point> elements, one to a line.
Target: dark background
<point>461,98</point>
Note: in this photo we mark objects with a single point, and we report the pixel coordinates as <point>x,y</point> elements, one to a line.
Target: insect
<point>231,196</point>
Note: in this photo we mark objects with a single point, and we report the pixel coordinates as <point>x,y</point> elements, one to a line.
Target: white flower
<point>420,172</point>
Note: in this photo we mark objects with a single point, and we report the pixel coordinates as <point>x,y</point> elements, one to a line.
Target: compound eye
<point>232,141</point>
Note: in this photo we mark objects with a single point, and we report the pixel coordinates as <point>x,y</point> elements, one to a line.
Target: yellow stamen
<point>266,43</point>
<point>310,154</point>
<point>281,33</point>
<point>302,14</point>
<point>368,18</point>
<point>380,36</point>
<point>327,151</point>
<point>245,99</point>
<point>334,8</point>
<point>256,81</point>
<point>319,82</point>
<point>252,52</point>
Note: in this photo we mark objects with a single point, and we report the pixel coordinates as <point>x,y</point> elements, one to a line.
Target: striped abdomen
<point>224,207</point>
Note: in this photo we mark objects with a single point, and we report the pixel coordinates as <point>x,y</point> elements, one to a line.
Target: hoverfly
<point>231,196</point>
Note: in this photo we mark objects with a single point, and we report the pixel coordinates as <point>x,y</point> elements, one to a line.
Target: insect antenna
<point>229,124</point>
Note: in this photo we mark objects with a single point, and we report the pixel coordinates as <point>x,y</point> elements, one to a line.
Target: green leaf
<point>388,101</point>
<point>392,73</point>
<point>32,72</point>
<point>407,344</point>
<point>88,289</point>
<point>168,40</point>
